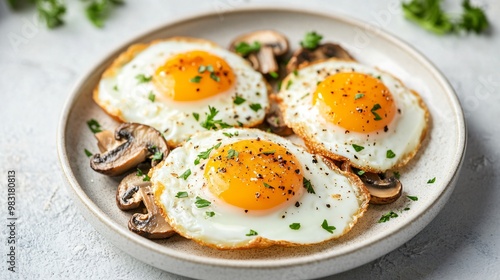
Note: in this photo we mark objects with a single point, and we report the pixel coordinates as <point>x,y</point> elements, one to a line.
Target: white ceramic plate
<point>440,156</point>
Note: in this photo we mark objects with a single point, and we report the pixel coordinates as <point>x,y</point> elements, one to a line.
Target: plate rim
<point>105,220</point>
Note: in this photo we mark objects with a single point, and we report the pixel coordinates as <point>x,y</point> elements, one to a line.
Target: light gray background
<point>54,240</point>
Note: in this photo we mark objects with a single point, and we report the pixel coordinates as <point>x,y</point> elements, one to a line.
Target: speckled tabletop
<point>54,241</point>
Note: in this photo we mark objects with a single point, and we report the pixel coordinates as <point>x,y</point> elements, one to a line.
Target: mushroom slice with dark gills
<point>151,225</point>
<point>304,56</point>
<point>275,121</point>
<point>384,188</point>
<point>136,144</point>
<point>261,48</point>
<point>127,194</point>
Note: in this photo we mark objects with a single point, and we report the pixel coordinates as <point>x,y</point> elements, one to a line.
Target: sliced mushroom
<point>304,56</point>
<point>272,45</point>
<point>106,140</point>
<point>139,142</point>
<point>127,194</point>
<point>151,225</point>
<point>276,122</point>
<point>384,188</point>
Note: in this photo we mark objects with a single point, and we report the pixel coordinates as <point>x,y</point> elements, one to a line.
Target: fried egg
<point>348,111</point>
<point>245,188</point>
<point>181,86</point>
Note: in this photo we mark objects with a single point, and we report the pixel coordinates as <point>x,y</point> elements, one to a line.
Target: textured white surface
<point>54,240</point>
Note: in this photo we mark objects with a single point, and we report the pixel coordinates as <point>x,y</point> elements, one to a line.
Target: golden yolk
<point>193,76</point>
<point>355,101</point>
<point>254,175</point>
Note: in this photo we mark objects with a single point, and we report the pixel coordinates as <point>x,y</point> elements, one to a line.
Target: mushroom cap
<point>138,142</point>
<point>151,225</point>
<point>274,119</point>
<point>127,194</point>
<point>267,38</point>
<point>303,56</point>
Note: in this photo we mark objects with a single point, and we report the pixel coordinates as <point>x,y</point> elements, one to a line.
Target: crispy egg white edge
<point>176,119</point>
<point>323,137</point>
<point>226,229</point>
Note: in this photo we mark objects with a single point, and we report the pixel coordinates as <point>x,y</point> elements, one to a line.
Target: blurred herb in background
<point>429,15</point>
<point>52,11</point>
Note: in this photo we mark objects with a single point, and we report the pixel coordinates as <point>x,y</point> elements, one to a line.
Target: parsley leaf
<point>414,198</point>
<point>390,154</point>
<point>308,186</point>
<point>210,123</point>
<point>268,186</point>
<point>94,126</point>
<point>397,174</point>
<point>201,203</point>
<point>186,174</point>
<point>181,195</point>
<point>473,18</point>
<point>274,75</point>
<point>231,134</point>
<point>238,100</point>
<point>141,78</point>
<point>357,148</point>
<point>375,108</point>
<point>431,181</point>
<point>232,153</point>
<point>98,10</point>
<point>88,153</point>
<point>210,213</point>
<point>252,233</point>
<point>152,97</point>
<point>195,79</point>
<point>255,107</point>
<point>206,154</point>
<point>145,178</point>
<point>196,116</point>
<point>360,172</point>
<point>157,156</point>
<point>51,11</point>
<point>387,217</point>
<point>244,48</point>
<point>311,40</point>
<point>326,227</point>
<point>358,96</point>
<point>289,84</point>
<point>295,226</point>
<point>214,77</point>
<point>269,152</point>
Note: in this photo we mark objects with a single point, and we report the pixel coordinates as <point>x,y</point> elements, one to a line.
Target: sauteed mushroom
<point>304,56</point>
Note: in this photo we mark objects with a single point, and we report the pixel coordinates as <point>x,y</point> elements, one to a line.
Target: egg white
<point>403,137</point>
<point>340,198</point>
<point>121,96</point>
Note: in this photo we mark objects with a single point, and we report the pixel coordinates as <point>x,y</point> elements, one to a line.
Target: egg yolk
<point>254,175</point>
<point>193,76</point>
<point>355,101</point>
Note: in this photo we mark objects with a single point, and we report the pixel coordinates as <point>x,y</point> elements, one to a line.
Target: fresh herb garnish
<point>210,213</point>
<point>274,75</point>
<point>115,87</point>
<point>186,174</point>
<point>414,198</point>
<point>201,203</point>
<point>206,154</point>
<point>375,108</point>
<point>94,126</point>
<point>98,10</point>
<point>202,69</point>
<point>387,217</point>
<point>431,181</point>
<point>196,116</point>
<point>390,154</point>
<point>232,154</point>
<point>255,107</point>
<point>244,48</point>
<point>88,153</point>
<point>195,79</point>
<point>158,156</point>
<point>51,11</point>
<point>358,96</point>
<point>357,148</point>
<point>295,226</point>
<point>397,174</point>
<point>231,134</point>
<point>214,77</point>
<point>289,84</point>
<point>151,96</point>
<point>181,195</point>
<point>360,172</point>
<point>279,85</point>
<point>141,78</point>
<point>295,72</point>
<point>327,227</point>
<point>311,40</point>
<point>145,178</point>
<point>210,123</point>
<point>308,186</point>
<point>269,152</point>
<point>268,186</point>
<point>238,100</point>
<point>252,233</point>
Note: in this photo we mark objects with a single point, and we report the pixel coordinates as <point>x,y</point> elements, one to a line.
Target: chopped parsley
<point>214,77</point>
<point>304,96</point>
<point>279,85</point>
<point>327,227</point>
<point>360,172</point>
<point>414,198</point>
<point>274,75</point>
<point>232,154</point>
<point>141,78</point>
<point>269,152</point>
<point>115,87</point>
<point>357,148</point>
<point>94,126</point>
<point>358,96</point>
<point>289,84</point>
<point>374,109</point>
<point>186,174</point>
<point>268,186</point>
<point>201,203</point>
<point>206,154</point>
<point>387,217</point>
<point>244,48</point>
<point>210,123</point>
<point>181,195</point>
<point>295,226</point>
<point>202,69</point>
<point>308,186</point>
<point>151,96</point>
<point>195,79</point>
<point>238,100</point>
<point>397,174</point>
<point>210,213</point>
<point>196,116</point>
<point>295,72</point>
<point>311,40</point>
<point>255,107</point>
<point>231,134</point>
<point>88,153</point>
<point>431,181</point>
<point>390,154</point>
<point>157,156</point>
<point>139,173</point>
<point>252,233</point>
